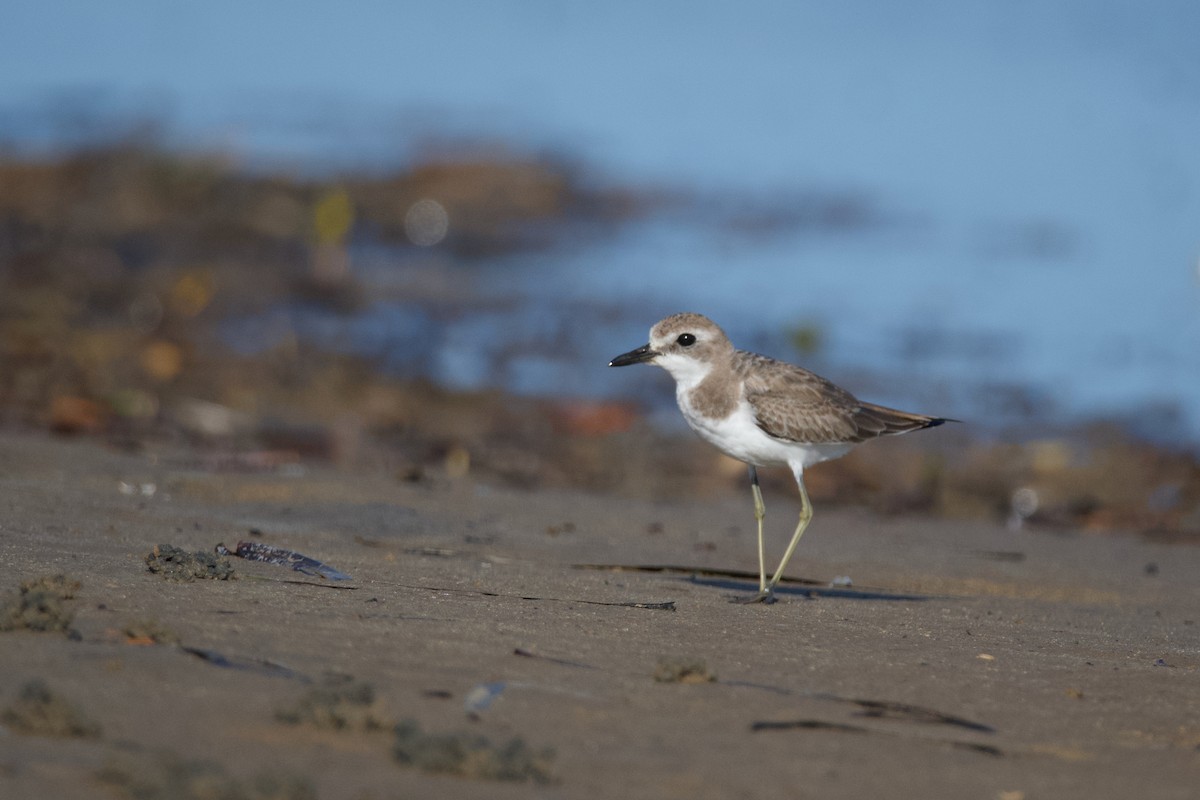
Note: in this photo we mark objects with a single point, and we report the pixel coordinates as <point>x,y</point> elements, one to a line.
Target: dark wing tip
<point>872,420</point>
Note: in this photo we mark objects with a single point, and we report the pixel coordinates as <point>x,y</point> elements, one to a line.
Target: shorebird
<point>763,412</point>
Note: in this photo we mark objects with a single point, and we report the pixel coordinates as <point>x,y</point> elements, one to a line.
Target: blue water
<point>1033,171</point>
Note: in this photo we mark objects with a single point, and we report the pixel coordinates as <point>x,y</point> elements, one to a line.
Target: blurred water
<point>1032,166</point>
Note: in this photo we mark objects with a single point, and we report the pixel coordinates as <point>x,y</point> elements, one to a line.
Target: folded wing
<point>796,405</point>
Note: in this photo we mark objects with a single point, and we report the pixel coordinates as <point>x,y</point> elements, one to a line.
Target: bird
<point>763,412</point>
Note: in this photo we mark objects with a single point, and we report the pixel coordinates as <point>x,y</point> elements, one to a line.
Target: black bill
<point>639,356</point>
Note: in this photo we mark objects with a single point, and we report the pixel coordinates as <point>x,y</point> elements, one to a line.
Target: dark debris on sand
<point>38,711</point>
<point>683,670</point>
<point>149,632</point>
<point>341,703</point>
<point>176,564</point>
<point>470,755</point>
<point>171,778</point>
<point>41,605</point>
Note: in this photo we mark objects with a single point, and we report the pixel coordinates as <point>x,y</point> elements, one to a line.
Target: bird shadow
<point>743,582</point>
<point>807,592</point>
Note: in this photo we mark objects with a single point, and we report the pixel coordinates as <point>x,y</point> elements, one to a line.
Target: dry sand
<point>966,660</point>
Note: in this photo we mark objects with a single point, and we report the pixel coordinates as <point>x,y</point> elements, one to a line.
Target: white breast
<point>739,436</point>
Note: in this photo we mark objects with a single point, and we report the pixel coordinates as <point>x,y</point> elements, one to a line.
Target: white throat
<point>688,372</point>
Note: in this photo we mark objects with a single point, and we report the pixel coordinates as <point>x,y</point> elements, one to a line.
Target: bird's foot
<point>764,596</point>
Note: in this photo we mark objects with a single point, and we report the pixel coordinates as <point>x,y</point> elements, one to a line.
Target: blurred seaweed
<point>118,265</point>
<point>121,267</point>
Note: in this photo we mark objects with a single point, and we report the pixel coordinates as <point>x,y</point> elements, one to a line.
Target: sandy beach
<point>564,644</point>
<point>315,482</point>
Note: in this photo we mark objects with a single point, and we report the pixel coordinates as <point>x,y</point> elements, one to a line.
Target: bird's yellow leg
<point>763,595</point>
<point>806,513</point>
<point>760,512</point>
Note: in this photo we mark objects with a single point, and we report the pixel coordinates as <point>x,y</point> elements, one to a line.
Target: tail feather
<point>873,420</point>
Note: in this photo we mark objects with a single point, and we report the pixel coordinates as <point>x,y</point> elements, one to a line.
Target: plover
<point>763,412</point>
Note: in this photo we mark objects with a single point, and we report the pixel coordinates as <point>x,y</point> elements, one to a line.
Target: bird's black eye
<point>686,339</point>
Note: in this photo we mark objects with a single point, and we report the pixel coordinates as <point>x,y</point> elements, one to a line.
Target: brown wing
<point>800,406</point>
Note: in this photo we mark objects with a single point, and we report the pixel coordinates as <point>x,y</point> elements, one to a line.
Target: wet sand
<point>965,660</point>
